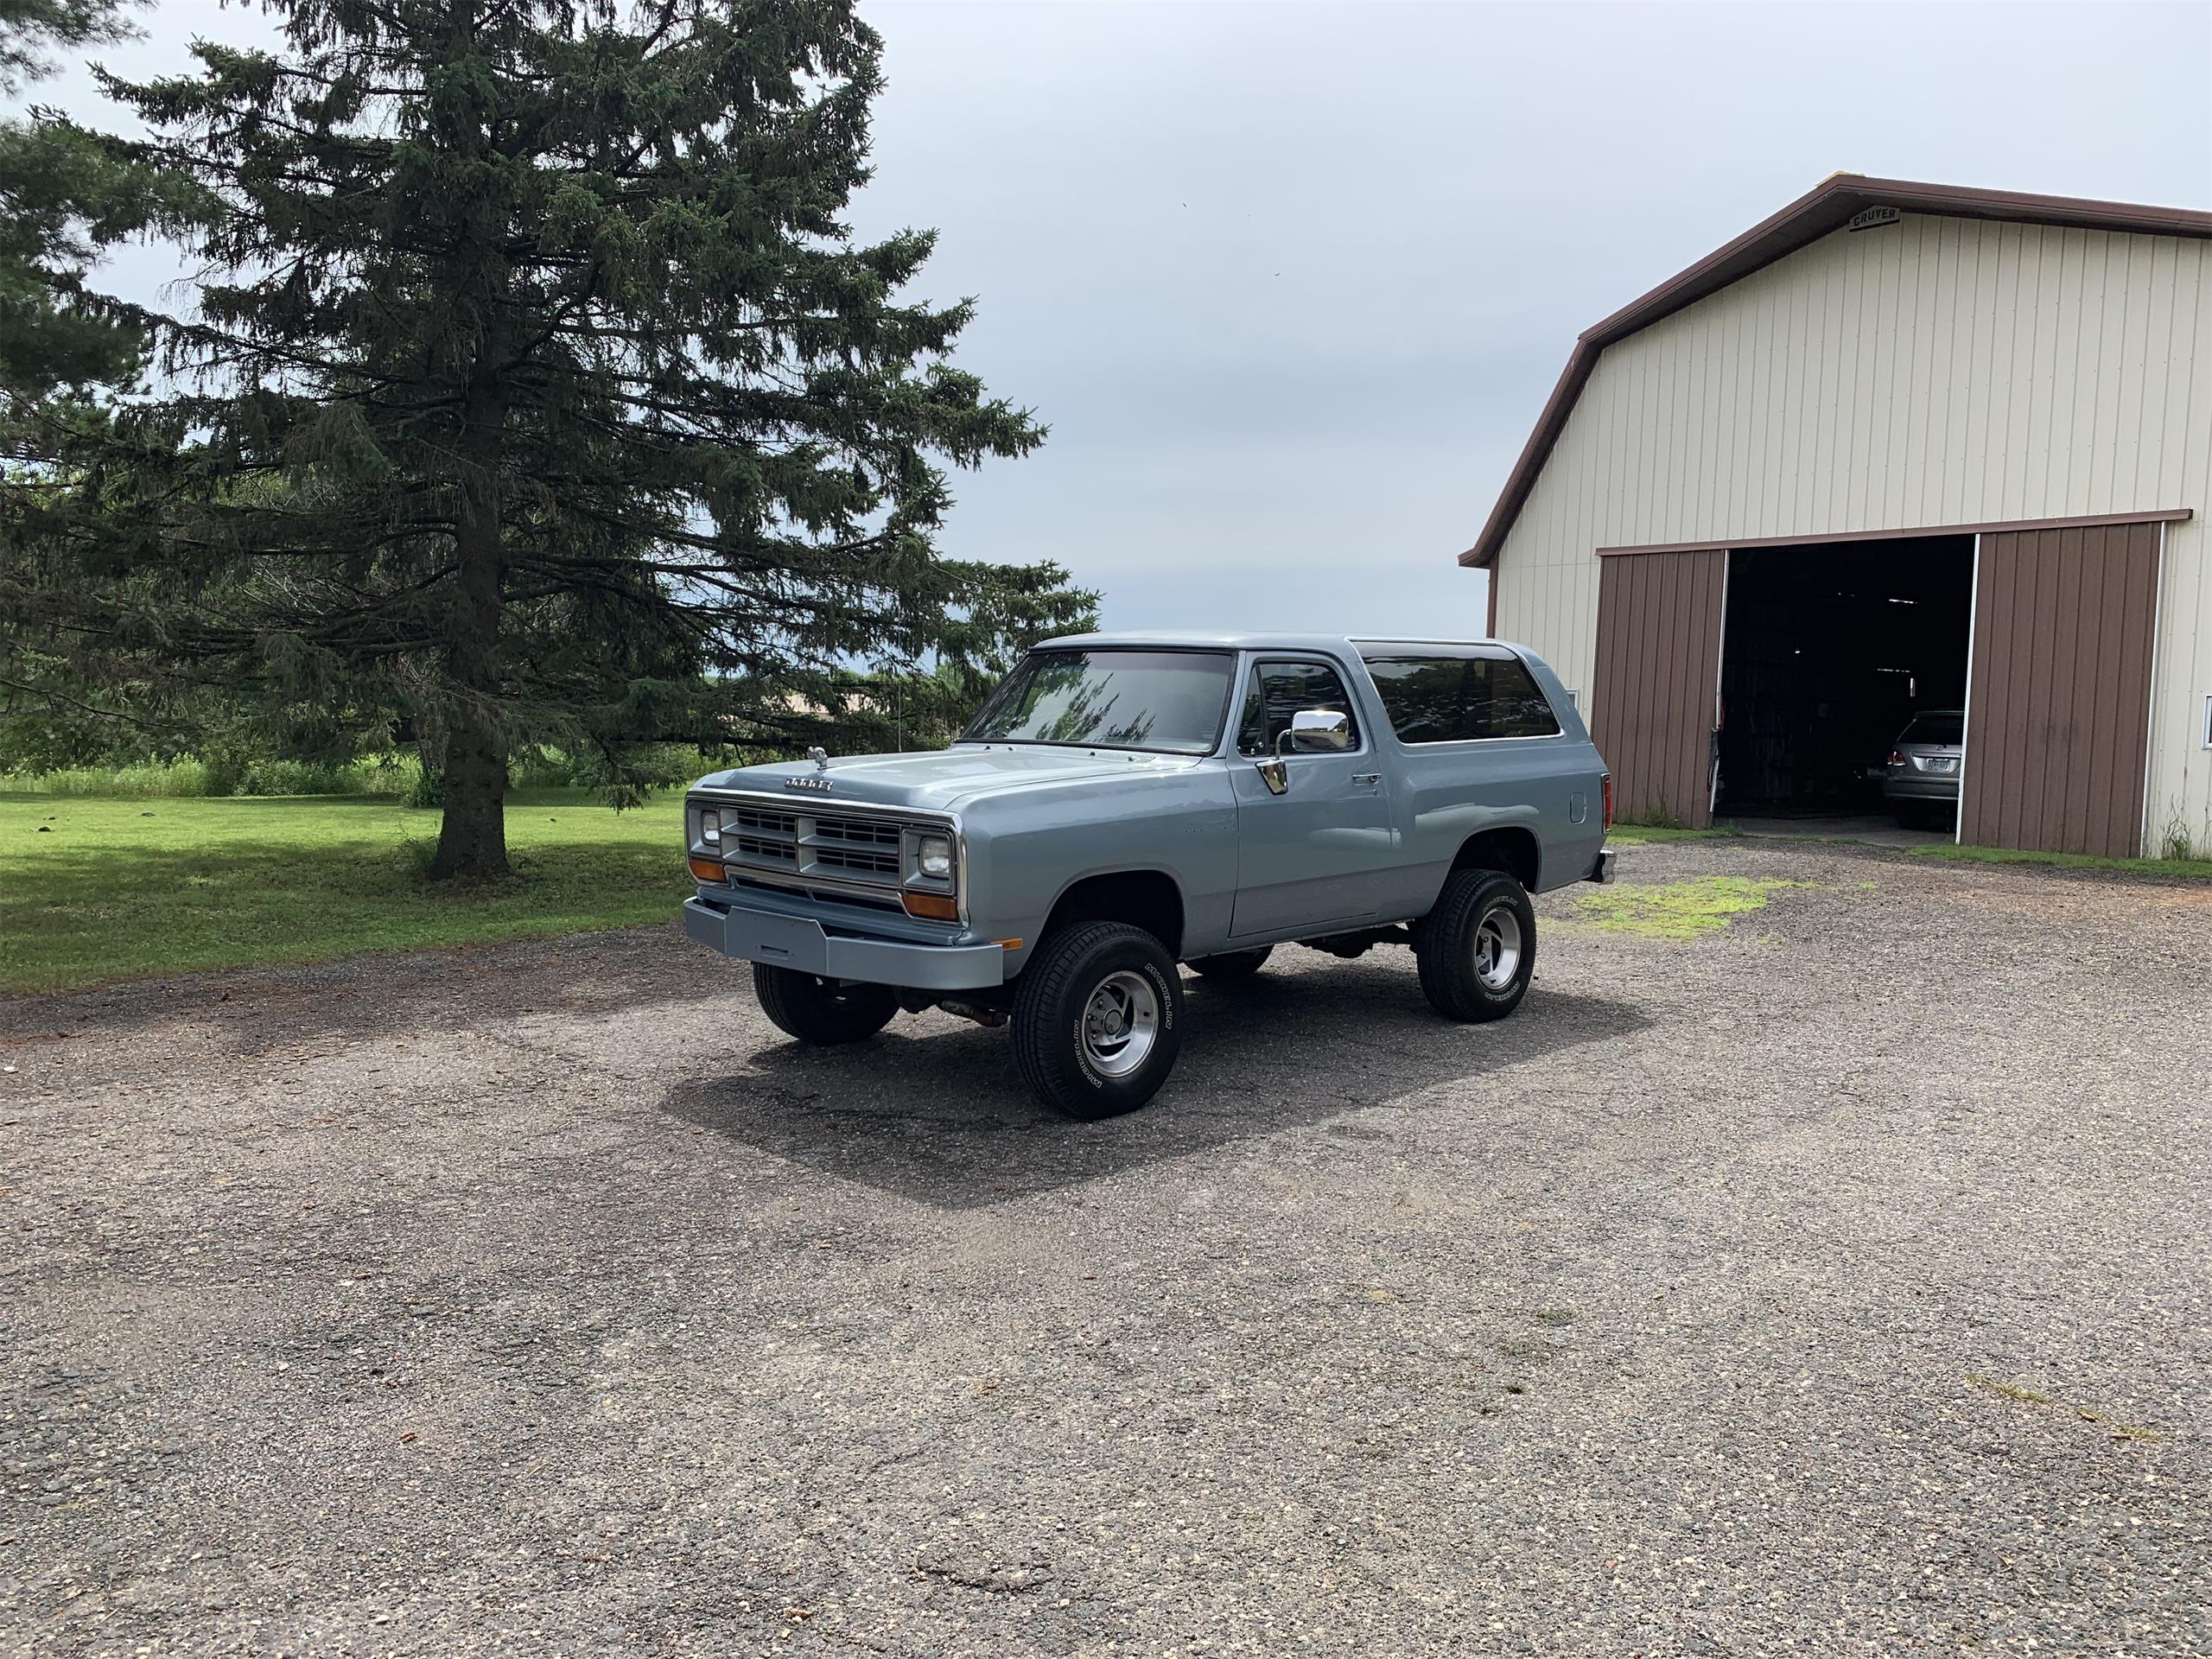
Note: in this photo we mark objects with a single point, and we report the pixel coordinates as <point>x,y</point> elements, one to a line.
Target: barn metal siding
<point>1657,684</point>
<point>2059,707</point>
<point>1935,372</point>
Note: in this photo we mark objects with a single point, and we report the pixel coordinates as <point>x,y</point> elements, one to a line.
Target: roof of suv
<point>1186,640</point>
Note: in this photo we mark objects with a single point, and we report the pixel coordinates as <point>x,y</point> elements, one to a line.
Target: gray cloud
<point>1291,281</point>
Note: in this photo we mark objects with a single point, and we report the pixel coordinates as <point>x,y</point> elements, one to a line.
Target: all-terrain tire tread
<point>1447,969</point>
<point>1037,1000</point>
<point>774,987</point>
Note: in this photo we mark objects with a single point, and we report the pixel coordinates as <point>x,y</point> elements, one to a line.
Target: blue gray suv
<point>1127,802</point>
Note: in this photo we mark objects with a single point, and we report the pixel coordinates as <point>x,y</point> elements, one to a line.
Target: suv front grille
<point>852,851</point>
<point>853,860</point>
<point>864,831</point>
<point>772,823</point>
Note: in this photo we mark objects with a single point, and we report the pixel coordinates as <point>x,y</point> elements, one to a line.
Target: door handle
<point>1369,778</point>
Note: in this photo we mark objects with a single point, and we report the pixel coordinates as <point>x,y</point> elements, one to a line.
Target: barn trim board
<point>1752,543</point>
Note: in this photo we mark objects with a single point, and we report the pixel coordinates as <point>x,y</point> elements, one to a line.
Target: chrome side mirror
<point>1318,731</point>
<point>1310,731</point>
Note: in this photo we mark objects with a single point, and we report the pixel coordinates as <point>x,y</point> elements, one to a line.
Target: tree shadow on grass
<point>932,1111</point>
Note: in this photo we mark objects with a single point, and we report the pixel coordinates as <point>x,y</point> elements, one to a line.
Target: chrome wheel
<point>1497,949</point>
<point>1120,1024</point>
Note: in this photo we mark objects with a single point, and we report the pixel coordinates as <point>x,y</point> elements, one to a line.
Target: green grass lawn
<point>117,889</point>
<point>2198,869</point>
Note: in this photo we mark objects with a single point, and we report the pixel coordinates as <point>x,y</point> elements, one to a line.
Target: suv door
<point>1319,853</point>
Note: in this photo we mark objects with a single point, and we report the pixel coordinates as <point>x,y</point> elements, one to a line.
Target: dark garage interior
<point>1828,650</point>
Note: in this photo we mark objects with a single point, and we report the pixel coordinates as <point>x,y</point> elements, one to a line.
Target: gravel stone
<point>1835,1284</point>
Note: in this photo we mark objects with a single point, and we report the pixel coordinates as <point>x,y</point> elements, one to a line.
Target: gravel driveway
<point>1838,1283</point>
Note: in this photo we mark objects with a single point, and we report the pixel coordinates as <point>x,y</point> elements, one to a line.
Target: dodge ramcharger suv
<point>1124,802</point>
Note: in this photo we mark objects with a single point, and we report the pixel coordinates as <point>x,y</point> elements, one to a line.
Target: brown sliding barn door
<point>1658,680</point>
<point>2058,703</point>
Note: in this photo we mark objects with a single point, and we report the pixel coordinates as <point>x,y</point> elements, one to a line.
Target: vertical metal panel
<point>1657,675</point>
<point>2065,624</point>
<point>2003,372</point>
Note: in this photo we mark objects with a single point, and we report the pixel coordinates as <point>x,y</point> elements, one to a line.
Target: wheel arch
<point>1147,898</point>
<point>1512,847</point>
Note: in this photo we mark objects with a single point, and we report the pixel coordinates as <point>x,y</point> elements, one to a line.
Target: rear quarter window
<point>1459,697</point>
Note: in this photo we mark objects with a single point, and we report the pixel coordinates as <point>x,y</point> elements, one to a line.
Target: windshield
<point>1170,702</point>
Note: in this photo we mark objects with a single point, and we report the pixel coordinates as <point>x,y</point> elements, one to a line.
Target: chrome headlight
<point>710,829</point>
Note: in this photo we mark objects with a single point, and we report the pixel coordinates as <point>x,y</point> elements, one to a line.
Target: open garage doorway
<point>1830,652</point>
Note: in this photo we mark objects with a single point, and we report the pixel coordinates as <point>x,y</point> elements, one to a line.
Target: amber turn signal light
<point>706,869</point>
<point>932,907</point>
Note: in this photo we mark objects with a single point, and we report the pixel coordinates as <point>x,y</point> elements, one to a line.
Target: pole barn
<point>1903,454</point>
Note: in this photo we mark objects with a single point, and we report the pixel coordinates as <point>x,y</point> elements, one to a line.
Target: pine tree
<point>63,194</point>
<point>537,393</point>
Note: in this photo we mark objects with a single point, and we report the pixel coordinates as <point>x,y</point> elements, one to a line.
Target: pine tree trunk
<point>472,834</point>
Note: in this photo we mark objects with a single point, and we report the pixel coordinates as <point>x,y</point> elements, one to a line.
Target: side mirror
<point>1317,731</point>
<point>1311,731</point>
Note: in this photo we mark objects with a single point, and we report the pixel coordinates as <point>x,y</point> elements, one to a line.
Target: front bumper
<point>803,943</point>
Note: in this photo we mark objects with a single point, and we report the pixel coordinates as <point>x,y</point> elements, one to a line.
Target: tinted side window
<point>1279,691</point>
<point>1454,699</point>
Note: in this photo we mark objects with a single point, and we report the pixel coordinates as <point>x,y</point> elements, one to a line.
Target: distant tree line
<point>531,391</point>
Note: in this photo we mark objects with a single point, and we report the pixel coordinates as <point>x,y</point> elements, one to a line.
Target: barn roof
<point>1828,206</point>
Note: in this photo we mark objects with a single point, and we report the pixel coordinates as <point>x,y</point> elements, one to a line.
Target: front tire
<point>1477,949</point>
<point>1097,1020</point>
<point>821,1012</point>
<point>1232,967</point>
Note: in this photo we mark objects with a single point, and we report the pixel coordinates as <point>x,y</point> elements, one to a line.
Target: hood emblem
<point>820,756</point>
<point>813,780</point>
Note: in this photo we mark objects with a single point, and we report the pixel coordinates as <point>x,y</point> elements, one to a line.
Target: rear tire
<point>1477,948</point>
<point>821,1012</point>
<point>1097,1020</point>
<point>1231,966</point>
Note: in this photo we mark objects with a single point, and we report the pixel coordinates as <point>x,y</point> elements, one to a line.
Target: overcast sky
<point>1289,282</point>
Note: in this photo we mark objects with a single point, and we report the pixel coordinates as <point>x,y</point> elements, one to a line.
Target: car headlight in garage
<point>933,856</point>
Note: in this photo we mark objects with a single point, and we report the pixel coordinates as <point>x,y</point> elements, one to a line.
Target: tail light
<point>1605,784</point>
<point>1897,757</point>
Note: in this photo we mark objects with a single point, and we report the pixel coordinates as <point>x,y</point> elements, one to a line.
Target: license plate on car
<point>1940,763</point>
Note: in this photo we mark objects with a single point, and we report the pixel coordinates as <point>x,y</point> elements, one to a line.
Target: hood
<point>943,780</point>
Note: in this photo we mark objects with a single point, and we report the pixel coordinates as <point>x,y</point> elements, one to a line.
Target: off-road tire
<point>1446,939</point>
<point>1052,998</point>
<point>821,1012</point>
<point>1232,967</point>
